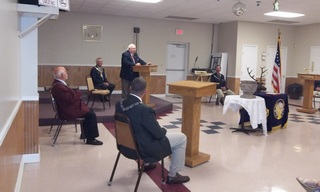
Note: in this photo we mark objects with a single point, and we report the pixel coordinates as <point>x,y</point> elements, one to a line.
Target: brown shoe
<point>178,179</point>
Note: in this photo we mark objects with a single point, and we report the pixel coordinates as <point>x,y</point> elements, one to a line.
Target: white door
<point>315,60</point>
<point>249,60</point>
<point>176,63</point>
<point>271,54</point>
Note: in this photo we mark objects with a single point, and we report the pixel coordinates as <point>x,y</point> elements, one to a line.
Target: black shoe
<point>149,167</point>
<point>94,142</point>
<point>82,136</point>
<point>217,101</point>
<point>178,179</point>
<point>222,101</point>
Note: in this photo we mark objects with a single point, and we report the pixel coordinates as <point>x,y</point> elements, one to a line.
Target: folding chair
<point>127,146</point>
<point>63,122</point>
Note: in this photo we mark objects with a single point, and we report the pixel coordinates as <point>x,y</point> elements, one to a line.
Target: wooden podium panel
<point>308,88</point>
<point>144,71</point>
<point>192,91</point>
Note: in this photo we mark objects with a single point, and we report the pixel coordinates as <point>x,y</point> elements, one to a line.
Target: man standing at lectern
<point>129,59</point>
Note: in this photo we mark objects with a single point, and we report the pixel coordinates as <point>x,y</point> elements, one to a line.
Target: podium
<point>308,88</point>
<point>144,71</point>
<point>192,91</point>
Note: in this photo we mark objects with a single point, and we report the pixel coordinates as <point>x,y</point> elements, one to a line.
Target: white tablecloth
<point>255,107</point>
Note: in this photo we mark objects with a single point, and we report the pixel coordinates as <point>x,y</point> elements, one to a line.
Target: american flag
<point>276,73</point>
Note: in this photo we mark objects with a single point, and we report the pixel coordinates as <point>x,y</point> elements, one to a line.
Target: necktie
<point>133,59</point>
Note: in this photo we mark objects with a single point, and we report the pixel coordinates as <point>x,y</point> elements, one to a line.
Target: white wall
<point>60,41</point>
<point>10,69</point>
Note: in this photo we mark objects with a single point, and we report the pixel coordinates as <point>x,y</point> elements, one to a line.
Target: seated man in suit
<point>316,91</point>
<point>222,86</point>
<point>70,106</point>
<point>99,77</point>
<point>153,140</point>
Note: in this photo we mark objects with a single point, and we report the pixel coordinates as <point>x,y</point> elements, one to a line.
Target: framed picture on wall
<point>92,33</point>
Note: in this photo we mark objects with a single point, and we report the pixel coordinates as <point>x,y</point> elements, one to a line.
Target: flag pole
<point>279,41</point>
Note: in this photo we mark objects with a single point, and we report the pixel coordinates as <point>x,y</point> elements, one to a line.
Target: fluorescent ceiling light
<point>148,1</point>
<point>284,14</point>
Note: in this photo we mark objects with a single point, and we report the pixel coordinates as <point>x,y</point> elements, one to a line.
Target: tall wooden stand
<point>192,91</point>
<point>144,71</point>
<point>308,88</point>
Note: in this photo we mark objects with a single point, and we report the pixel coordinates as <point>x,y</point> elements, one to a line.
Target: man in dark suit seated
<point>316,91</point>
<point>222,86</point>
<point>70,106</point>
<point>99,77</point>
<point>153,140</point>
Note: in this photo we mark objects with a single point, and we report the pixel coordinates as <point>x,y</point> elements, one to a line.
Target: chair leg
<point>109,100</point>
<point>104,107</point>
<point>114,169</point>
<point>75,126</point>
<point>139,177</point>
<point>162,173</point>
<point>88,99</point>
<point>55,117</point>
<point>210,99</point>
<point>55,137</point>
<point>82,131</point>
<point>94,99</point>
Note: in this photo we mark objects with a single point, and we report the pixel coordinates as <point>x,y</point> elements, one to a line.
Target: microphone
<point>194,65</point>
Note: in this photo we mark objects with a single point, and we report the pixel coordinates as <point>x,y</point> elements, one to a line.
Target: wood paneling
<point>76,77</point>
<point>11,152</point>
<point>31,125</point>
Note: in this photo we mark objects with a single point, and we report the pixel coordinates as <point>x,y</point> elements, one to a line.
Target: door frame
<point>186,59</point>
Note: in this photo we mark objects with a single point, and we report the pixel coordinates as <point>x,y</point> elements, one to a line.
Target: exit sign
<point>179,31</point>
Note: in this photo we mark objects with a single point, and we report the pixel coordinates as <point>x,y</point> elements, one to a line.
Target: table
<point>201,75</point>
<point>255,107</point>
<point>277,110</point>
<point>191,92</point>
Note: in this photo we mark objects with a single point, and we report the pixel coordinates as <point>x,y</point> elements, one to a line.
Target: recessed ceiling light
<point>284,14</point>
<point>147,1</point>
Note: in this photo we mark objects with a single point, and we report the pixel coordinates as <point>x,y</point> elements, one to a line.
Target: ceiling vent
<point>181,18</point>
<point>282,21</point>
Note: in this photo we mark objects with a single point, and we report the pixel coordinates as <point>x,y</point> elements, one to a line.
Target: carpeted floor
<point>46,113</point>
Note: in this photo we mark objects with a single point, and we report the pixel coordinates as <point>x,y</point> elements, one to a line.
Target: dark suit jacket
<point>150,136</point>
<point>69,102</point>
<point>218,79</point>
<point>126,65</point>
<point>96,77</point>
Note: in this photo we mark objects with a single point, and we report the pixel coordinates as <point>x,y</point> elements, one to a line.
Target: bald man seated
<point>70,106</point>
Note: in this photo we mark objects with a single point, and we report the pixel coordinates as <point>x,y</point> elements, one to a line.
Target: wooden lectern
<point>308,88</point>
<point>192,91</point>
<point>144,71</point>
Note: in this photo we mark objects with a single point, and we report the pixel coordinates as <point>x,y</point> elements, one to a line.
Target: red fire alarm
<point>179,31</point>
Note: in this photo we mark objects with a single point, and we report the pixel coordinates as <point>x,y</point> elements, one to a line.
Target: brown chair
<point>96,92</point>
<point>63,122</point>
<point>127,146</point>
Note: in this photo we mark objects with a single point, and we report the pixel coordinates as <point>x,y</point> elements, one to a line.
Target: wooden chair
<point>96,92</point>
<point>63,122</point>
<point>127,146</point>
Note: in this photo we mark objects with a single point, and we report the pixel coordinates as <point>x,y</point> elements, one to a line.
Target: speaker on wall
<point>136,30</point>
